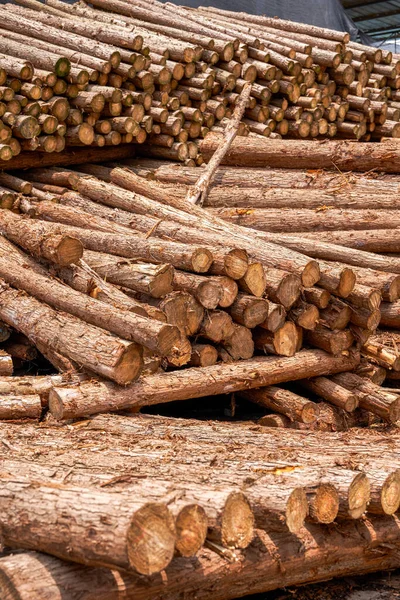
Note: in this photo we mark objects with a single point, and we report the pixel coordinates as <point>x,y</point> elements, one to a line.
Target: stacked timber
<point>200,510</point>
<point>152,281</point>
<point>163,77</point>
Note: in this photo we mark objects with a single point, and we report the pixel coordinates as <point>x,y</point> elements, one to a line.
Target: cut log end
<point>201,260</point>
<point>296,510</point>
<point>310,274</point>
<point>236,263</point>
<point>69,251</point>
<point>358,496</point>
<point>191,529</point>
<point>151,539</point>
<point>347,283</point>
<point>390,493</point>
<point>324,506</point>
<point>309,412</point>
<point>237,527</point>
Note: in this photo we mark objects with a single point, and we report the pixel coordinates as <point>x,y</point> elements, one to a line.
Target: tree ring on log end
<point>191,529</point>
<point>151,539</point>
<point>201,260</point>
<point>296,510</point>
<point>358,496</point>
<point>237,523</point>
<point>324,507</point>
<point>310,274</point>
<point>347,282</point>
<point>390,493</point>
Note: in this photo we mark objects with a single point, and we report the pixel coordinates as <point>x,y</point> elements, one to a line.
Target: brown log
<point>285,402</point>
<point>203,355</point>
<point>6,363</point>
<point>206,290</point>
<point>282,287</point>
<point>283,342</point>
<point>249,310</point>
<point>86,345</point>
<point>239,345</point>
<point>155,280</point>
<point>254,280</point>
<point>353,156</point>
<point>337,315</point>
<point>332,392</point>
<point>140,526</point>
<point>276,317</point>
<point>334,342</point>
<point>42,574</point>
<point>382,349</point>
<point>304,315</point>
<point>320,298</point>
<point>196,383</point>
<point>385,405</point>
<point>156,336</point>
<point>20,407</point>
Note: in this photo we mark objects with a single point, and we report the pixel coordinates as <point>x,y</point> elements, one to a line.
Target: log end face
<point>309,412</point>
<point>346,283</point>
<point>201,260</point>
<point>394,412</point>
<point>236,263</point>
<point>168,338</point>
<point>390,494</point>
<point>129,366</point>
<point>237,526</point>
<point>324,507</point>
<point>296,510</point>
<point>151,539</point>
<point>311,274</point>
<point>191,529</point>
<point>358,496</point>
<point>69,251</point>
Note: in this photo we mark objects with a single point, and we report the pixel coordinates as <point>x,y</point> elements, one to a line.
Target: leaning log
<point>194,383</point>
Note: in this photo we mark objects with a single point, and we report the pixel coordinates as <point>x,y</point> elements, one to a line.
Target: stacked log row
<point>94,476</point>
<point>164,76</point>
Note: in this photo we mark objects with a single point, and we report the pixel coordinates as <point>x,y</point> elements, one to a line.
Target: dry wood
<point>193,383</point>
<point>285,402</point>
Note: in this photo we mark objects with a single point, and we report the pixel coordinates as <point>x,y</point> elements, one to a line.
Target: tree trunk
<point>249,311</point>
<point>309,557</point>
<point>347,156</point>
<point>154,280</point>
<point>285,402</point>
<point>157,336</point>
<point>60,249</point>
<point>283,342</point>
<point>88,346</point>
<point>194,383</point>
<point>130,533</point>
<point>379,240</point>
<point>334,342</point>
<point>20,407</point>
<point>287,220</point>
<point>332,392</point>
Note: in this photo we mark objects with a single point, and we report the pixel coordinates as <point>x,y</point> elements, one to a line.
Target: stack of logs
<point>154,286</point>
<point>212,507</point>
<point>163,76</point>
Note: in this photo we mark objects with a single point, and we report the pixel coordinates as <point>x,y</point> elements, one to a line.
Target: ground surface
<point>381,586</point>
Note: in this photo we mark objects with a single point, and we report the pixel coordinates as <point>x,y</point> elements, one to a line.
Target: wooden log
<point>96,349</point>
<point>334,342</point>
<point>275,319</point>
<point>191,383</point>
<point>332,392</point>
<point>284,402</point>
<point>160,337</point>
<point>337,315</point>
<point>41,573</point>
<point>154,280</point>
<point>384,405</point>
<point>203,355</point>
<point>206,290</point>
<point>264,153</point>
<point>146,533</point>
<point>282,287</point>
<point>20,407</point>
<point>6,363</point>
<point>249,310</point>
<point>283,342</point>
<point>304,315</point>
<point>382,349</point>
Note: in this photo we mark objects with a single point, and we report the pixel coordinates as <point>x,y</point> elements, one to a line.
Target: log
<point>42,574</point>
<point>193,383</point>
<point>159,337</point>
<point>20,407</point>
<point>332,392</point>
<point>249,311</point>
<point>347,156</point>
<point>276,317</point>
<point>371,398</point>
<point>206,290</point>
<point>334,342</point>
<point>86,345</point>
<point>283,342</point>
<point>154,280</point>
<point>60,249</point>
<point>141,535</point>
<point>390,314</point>
<point>284,402</point>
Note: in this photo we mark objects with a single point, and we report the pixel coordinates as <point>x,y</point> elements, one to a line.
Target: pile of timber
<point>178,301</point>
<point>163,76</point>
<point>210,507</point>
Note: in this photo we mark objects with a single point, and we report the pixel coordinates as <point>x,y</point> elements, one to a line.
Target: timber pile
<point>209,494</point>
<point>166,292</point>
<point>162,76</point>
